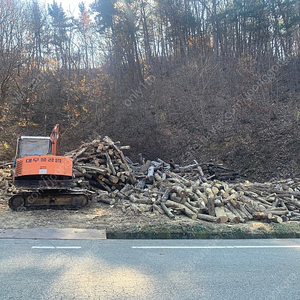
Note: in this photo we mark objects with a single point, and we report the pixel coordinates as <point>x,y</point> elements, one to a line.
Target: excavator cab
<point>31,146</point>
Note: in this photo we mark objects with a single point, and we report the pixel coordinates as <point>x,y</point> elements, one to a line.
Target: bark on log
<point>110,164</point>
<point>192,208</point>
<point>99,170</point>
<point>278,212</point>
<point>157,208</point>
<point>165,195</point>
<point>211,206</point>
<point>207,218</point>
<point>157,177</point>
<point>178,178</point>
<point>167,211</point>
<point>183,208</point>
<point>235,212</point>
<point>103,184</point>
<point>141,184</point>
<point>244,210</point>
<point>262,215</point>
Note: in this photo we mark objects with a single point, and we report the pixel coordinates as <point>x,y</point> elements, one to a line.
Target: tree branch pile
<point>102,165</point>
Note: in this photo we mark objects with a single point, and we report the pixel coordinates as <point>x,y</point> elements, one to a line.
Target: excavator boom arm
<point>55,139</point>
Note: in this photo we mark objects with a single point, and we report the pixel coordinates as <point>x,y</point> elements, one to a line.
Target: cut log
<point>235,212</point>
<point>277,219</point>
<point>262,215</point>
<point>179,190</point>
<point>192,208</point>
<point>77,154</point>
<point>99,170</point>
<point>207,218</point>
<point>167,211</point>
<point>103,184</point>
<point>277,212</point>
<point>183,208</point>
<point>165,195</point>
<point>150,173</point>
<point>243,212</point>
<point>105,200</point>
<point>141,184</point>
<point>174,197</point>
<point>232,217</point>
<point>110,164</point>
<point>157,177</point>
<point>211,206</point>
<point>178,178</point>
<point>158,208</point>
<point>113,179</point>
<point>221,215</point>
<point>128,187</point>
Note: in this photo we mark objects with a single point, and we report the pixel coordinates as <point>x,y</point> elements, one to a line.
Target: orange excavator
<point>44,178</point>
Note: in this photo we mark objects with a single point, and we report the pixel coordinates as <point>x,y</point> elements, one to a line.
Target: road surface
<point>149,269</point>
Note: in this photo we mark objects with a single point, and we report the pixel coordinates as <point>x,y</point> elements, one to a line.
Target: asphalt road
<point>149,269</point>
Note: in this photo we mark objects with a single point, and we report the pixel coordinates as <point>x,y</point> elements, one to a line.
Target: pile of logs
<point>212,201</point>
<point>156,170</point>
<point>101,165</point>
<point>6,179</point>
<point>203,191</point>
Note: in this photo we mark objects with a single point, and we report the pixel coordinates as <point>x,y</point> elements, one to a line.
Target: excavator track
<point>73,199</point>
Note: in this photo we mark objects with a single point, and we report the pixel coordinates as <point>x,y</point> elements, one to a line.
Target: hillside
<point>198,112</point>
<point>190,114</point>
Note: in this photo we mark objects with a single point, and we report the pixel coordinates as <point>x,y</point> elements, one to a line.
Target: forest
<point>175,79</point>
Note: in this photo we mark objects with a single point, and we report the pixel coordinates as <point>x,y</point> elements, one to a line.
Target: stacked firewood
<point>170,189</point>
<point>6,179</point>
<point>213,201</point>
<point>101,165</point>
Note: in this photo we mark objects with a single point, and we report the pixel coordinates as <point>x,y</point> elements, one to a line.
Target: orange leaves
<point>85,18</point>
<point>66,107</point>
<point>191,41</point>
<point>83,81</point>
<point>76,112</point>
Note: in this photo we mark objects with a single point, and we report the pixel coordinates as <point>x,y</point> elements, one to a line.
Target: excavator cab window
<point>32,146</point>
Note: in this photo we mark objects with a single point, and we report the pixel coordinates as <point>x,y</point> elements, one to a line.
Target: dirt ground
<point>94,215</point>
<point>102,216</point>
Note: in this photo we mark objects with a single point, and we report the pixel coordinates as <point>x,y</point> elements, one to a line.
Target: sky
<point>71,5</point>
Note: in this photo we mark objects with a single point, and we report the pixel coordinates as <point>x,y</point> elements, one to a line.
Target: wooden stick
<point>165,196</point>
<point>110,164</point>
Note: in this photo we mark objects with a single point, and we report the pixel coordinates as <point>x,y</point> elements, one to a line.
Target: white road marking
<point>214,247</point>
<point>56,247</point>
<point>43,247</point>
